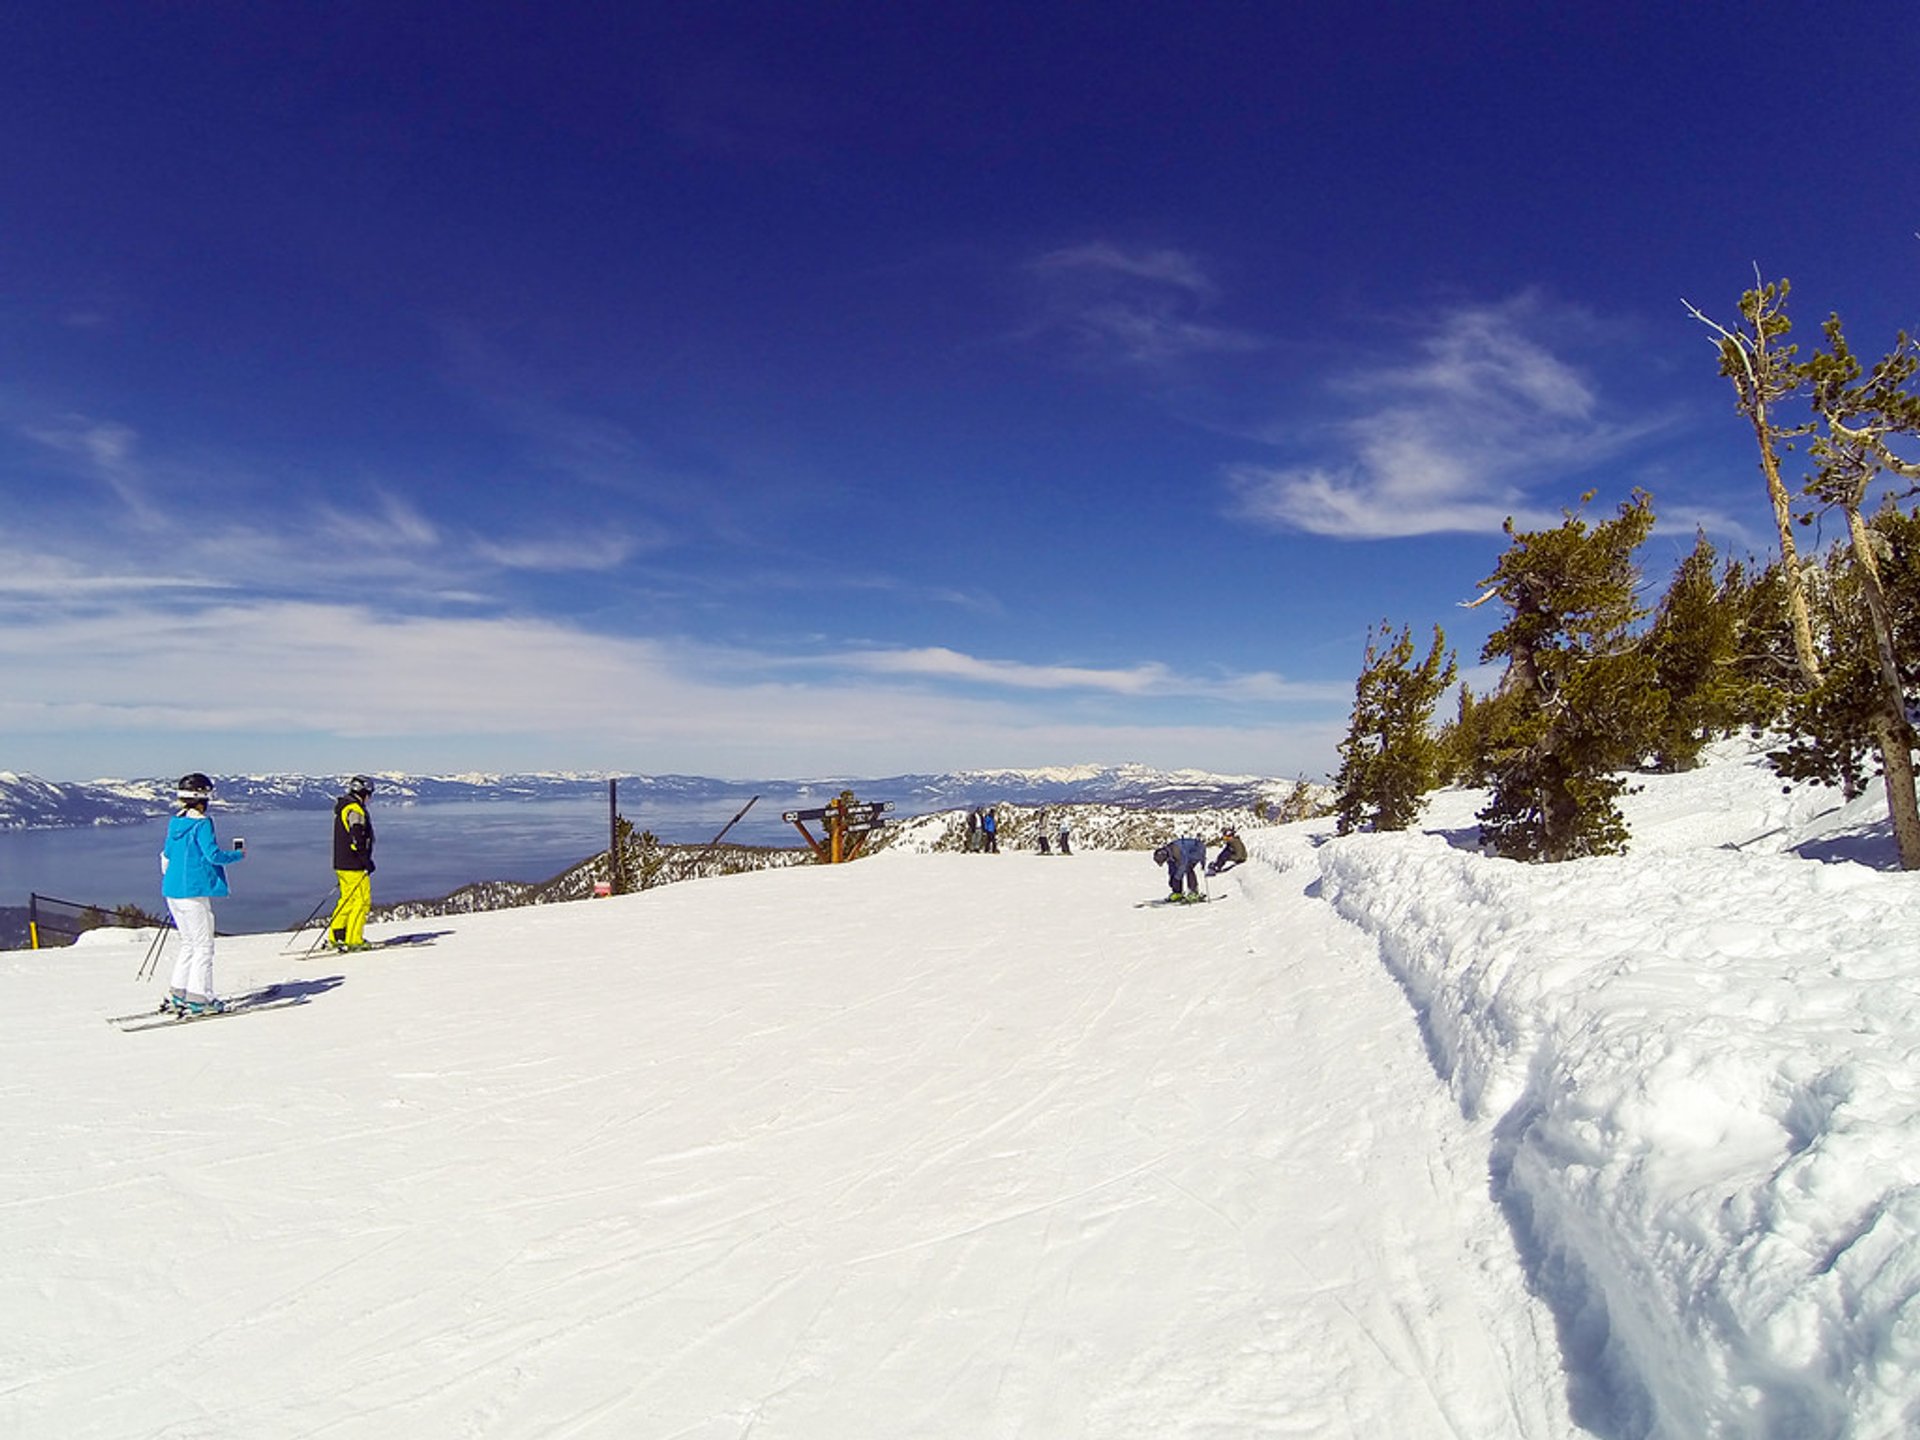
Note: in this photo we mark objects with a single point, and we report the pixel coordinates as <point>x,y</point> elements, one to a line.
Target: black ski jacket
<point>352,835</point>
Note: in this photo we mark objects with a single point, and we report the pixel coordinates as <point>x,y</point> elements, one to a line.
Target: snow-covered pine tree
<point>1391,758</point>
<point>1579,699</point>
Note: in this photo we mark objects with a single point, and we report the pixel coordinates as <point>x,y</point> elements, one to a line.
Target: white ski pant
<point>193,966</point>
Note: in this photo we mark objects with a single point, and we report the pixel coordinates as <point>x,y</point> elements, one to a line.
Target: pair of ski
<point>1169,900</point>
<point>327,948</point>
<point>251,1003</point>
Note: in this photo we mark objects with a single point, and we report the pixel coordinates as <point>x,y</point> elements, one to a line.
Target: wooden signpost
<point>848,824</point>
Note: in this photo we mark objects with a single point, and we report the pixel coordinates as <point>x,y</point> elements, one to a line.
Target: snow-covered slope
<point>1393,1140</point>
<point>1701,1070</point>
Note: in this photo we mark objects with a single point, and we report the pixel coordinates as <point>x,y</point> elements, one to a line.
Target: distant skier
<point>973,830</point>
<point>1233,851</point>
<point>1040,824</point>
<point>990,832</point>
<point>352,864</point>
<point>1066,836</point>
<point>1183,858</point>
<point>192,873</point>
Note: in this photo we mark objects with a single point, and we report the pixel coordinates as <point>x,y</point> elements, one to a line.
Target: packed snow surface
<point>1393,1139</point>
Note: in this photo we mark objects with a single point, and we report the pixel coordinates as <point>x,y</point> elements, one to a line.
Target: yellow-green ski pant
<point>356,899</point>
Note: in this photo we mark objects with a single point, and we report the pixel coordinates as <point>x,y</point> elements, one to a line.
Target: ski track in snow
<point>929,1146</point>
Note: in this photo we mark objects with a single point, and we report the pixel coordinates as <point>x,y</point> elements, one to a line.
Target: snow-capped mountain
<point>27,802</point>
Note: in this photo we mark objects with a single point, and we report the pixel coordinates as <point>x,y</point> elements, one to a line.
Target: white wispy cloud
<point>391,521</point>
<point>1167,267</point>
<point>1144,307</point>
<point>304,685</point>
<point>1457,438</point>
<point>30,575</point>
<point>1150,679</point>
<point>600,550</point>
<point>102,451</point>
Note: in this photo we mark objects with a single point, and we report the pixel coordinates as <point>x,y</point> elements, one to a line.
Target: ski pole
<point>153,952</point>
<point>313,914</point>
<point>320,937</point>
<point>296,930</point>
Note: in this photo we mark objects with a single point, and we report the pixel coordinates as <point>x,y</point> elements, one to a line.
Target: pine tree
<point>1763,665</point>
<point>649,860</point>
<point>1832,727</point>
<point>1580,702</point>
<point>1465,742</point>
<point>1859,412</point>
<point>1390,758</point>
<point>1765,376</point>
<point>618,870</point>
<point>1692,643</point>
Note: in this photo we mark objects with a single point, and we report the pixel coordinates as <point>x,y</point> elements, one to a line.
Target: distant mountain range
<point>30,803</point>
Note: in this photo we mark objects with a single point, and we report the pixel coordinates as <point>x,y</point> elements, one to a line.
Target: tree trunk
<point>1891,731</point>
<point>1789,556</point>
<point>1896,762</point>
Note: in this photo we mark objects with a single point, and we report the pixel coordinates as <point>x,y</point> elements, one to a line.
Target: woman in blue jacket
<point>193,871</point>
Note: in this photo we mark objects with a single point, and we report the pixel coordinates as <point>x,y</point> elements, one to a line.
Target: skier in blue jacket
<point>192,872</point>
<point>1183,858</point>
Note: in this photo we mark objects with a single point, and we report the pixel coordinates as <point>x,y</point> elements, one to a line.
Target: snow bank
<point>1704,1079</point>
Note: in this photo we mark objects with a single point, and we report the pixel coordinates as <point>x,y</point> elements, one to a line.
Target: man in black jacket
<point>352,864</point>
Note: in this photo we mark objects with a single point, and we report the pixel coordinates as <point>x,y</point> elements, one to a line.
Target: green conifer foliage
<point>1765,670</point>
<point>1765,375</point>
<point>1580,698</point>
<point>619,871</point>
<point>1466,743</point>
<point>650,859</point>
<point>1390,758</point>
<point>1832,727</point>
<point>1862,415</point>
<point>1692,643</point>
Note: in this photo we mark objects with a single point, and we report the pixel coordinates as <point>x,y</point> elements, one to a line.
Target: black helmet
<point>1163,855</point>
<point>359,787</point>
<point>194,788</point>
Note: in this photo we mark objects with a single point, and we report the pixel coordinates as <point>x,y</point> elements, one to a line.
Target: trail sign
<point>848,824</point>
<point>864,810</point>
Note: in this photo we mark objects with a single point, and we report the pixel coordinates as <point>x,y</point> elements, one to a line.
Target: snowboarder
<point>192,872</point>
<point>1183,858</point>
<point>1233,851</point>
<point>352,865</point>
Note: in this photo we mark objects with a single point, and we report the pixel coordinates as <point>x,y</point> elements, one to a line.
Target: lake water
<point>421,851</point>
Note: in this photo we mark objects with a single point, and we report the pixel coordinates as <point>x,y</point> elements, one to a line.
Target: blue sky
<point>761,390</point>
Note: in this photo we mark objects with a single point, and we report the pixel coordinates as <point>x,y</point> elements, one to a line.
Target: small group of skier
<point>983,832</point>
<point>1185,856</point>
<point>1062,836</point>
<point>193,873</point>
